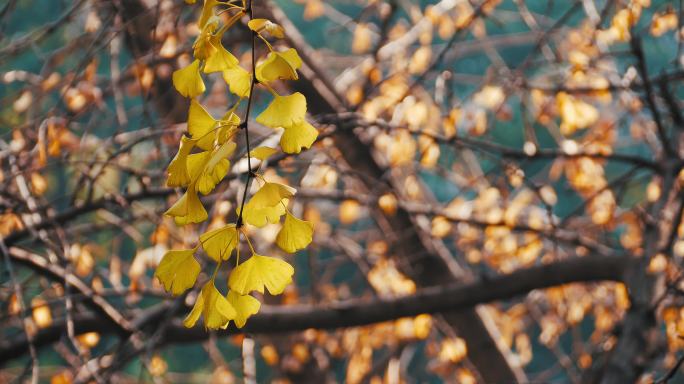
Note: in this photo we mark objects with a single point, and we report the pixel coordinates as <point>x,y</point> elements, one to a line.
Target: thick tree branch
<point>359,312</point>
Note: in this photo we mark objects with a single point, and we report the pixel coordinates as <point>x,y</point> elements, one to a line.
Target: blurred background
<point>518,162</point>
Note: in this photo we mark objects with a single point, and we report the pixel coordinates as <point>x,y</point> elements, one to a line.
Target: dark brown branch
<point>671,103</point>
<point>672,372</point>
<point>57,273</point>
<point>359,312</point>
<point>650,94</point>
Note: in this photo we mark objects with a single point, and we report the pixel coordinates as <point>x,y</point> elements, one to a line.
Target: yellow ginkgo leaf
<point>207,12</point>
<point>245,306</point>
<point>195,313</point>
<point>271,194</point>
<point>222,152</point>
<point>215,308</point>
<point>279,65</point>
<point>267,205</point>
<point>260,216</point>
<point>262,153</point>
<point>265,25</point>
<point>178,270</point>
<point>215,168</point>
<point>188,209</point>
<point>259,272</point>
<point>188,80</point>
<point>228,127</point>
<point>200,125</point>
<point>220,59</point>
<point>196,163</point>
<point>178,170</point>
<point>298,136</point>
<point>284,111</point>
<point>203,48</point>
<point>210,178</point>
<point>220,243</point>
<point>295,234</point>
<point>239,80</point>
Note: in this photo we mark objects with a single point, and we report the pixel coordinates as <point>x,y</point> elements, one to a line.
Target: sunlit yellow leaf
<point>196,163</point>
<point>213,306</point>
<point>262,153</point>
<point>207,12</point>
<point>178,171</point>
<point>188,80</point>
<point>265,25</point>
<point>220,59</point>
<point>245,306</point>
<point>203,48</point>
<point>238,79</point>
<point>268,204</point>
<point>279,65</point>
<point>216,168</point>
<point>206,169</point>
<point>178,270</point>
<point>260,216</point>
<point>284,111</point>
<point>211,177</point>
<point>188,209</point>
<point>200,125</point>
<point>227,127</point>
<point>295,234</point>
<point>220,243</point>
<point>259,272</point>
<point>298,136</point>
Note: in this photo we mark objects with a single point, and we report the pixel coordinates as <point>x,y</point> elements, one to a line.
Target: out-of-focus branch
<point>650,96</point>
<point>352,119</point>
<point>92,299</point>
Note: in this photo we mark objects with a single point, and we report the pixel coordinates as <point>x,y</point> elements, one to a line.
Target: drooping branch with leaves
<point>200,172</point>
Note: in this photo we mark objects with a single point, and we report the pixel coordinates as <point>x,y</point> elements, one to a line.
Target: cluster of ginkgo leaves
<point>202,162</point>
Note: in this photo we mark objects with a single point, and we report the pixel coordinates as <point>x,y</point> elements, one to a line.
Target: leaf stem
<point>245,123</point>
